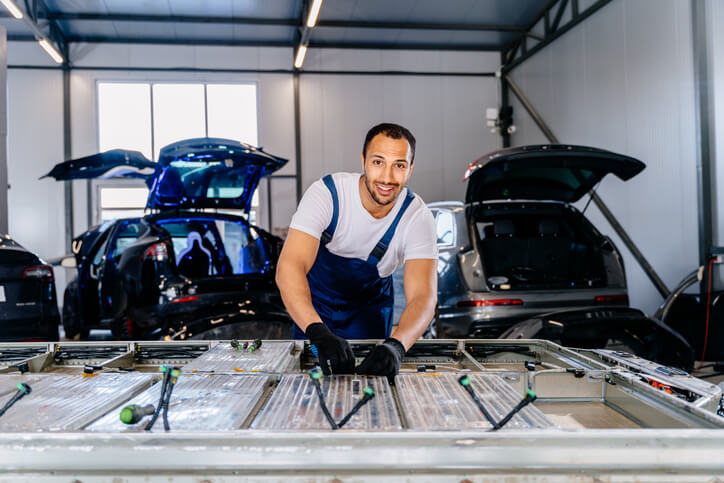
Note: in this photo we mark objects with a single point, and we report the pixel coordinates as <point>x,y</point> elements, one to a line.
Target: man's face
<point>387,167</point>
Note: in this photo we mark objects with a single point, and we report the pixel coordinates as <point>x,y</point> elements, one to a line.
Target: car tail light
<point>184,299</point>
<point>157,251</point>
<point>42,272</point>
<point>609,299</point>
<point>489,303</point>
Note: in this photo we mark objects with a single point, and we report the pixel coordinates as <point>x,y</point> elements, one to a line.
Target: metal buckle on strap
<point>326,237</point>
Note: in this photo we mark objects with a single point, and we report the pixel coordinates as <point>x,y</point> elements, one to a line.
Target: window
<point>445,224</point>
<point>146,117</point>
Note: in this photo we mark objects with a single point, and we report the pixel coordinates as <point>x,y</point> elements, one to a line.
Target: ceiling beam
<point>288,22</point>
<point>111,17</point>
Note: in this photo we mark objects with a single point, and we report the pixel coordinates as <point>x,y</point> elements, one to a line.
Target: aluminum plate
<point>436,401</point>
<point>295,405</point>
<point>198,403</point>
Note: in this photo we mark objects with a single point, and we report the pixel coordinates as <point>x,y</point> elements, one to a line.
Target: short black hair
<point>394,131</point>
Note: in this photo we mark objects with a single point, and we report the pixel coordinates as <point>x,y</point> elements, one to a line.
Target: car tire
<point>72,321</point>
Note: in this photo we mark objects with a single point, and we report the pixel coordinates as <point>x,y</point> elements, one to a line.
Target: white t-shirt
<point>358,231</point>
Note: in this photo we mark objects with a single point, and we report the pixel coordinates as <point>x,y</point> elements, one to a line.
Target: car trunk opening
<point>537,247</point>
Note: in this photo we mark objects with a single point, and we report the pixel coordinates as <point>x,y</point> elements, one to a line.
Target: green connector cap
<point>163,369</point>
<point>369,391</point>
<point>127,415</point>
<point>530,394</point>
<point>175,372</point>
<point>22,387</point>
<point>315,374</point>
<point>464,380</point>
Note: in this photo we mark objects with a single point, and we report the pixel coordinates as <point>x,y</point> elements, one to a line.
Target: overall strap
<point>328,233</point>
<point>381,248</point>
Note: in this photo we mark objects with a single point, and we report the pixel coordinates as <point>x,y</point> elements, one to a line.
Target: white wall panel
<point>715,11</point>
<point>623,80</point>
<point>35,144</point>
<point>445,113</point>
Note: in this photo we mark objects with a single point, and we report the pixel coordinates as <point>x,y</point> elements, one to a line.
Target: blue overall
<point>348,293</point>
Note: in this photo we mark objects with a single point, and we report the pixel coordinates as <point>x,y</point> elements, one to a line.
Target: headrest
<point>504,228</point>
<point>549,226</point>
<point>193,237</point>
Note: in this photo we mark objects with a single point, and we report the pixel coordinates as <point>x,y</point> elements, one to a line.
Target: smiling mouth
<point>385,190</point>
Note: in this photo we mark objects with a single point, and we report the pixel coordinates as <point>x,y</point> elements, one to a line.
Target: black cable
<point>167,399</point>
<point>369,395</point>
<point>529,398</point>
<point>159,406</point>
<point>23,390</point>
<point>465,382</point>
<point>315,374</point>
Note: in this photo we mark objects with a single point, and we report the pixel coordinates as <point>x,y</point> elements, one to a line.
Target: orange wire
<point>708,305</point>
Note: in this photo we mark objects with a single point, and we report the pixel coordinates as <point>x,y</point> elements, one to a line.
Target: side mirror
<point>68,262</point>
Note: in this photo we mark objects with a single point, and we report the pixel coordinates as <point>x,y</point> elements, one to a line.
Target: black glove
<point>335,354</point>
<point>384,360</point>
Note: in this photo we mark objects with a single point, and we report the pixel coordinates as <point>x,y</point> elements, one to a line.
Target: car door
<point>124,234</point>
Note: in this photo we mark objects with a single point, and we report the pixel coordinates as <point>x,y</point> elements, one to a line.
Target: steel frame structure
<point>555,19</point>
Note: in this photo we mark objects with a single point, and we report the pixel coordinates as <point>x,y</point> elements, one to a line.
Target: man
<point>350,232</point>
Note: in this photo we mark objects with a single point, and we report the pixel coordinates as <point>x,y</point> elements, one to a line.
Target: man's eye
<point>377,162</point>
<point>401,165</point>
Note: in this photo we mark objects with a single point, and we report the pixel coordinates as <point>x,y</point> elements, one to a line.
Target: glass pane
<point>232,112</point>
<point>124,117</point>
<point>230,247</point>
<point>107,215</point>
<point>445,223</point>
<point>123,197</point>
<point>178,113</point>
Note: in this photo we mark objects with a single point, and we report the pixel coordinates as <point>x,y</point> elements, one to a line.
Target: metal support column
<point>504,99</point>
<point>705,148</point>
<point>4,212</point>
<point>67,154</point>
<point>297,137</point>
<point>645,265</point>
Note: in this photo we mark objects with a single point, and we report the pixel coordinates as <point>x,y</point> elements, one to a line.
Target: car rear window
<point>16,257</point>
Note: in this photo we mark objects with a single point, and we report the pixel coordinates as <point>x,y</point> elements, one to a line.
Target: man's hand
<point>335,354</point>
<point>384,360</point>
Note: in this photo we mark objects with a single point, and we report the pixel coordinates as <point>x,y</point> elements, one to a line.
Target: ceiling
<point>377,24</point>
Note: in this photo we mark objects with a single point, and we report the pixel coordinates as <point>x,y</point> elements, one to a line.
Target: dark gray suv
<point>517,247</point>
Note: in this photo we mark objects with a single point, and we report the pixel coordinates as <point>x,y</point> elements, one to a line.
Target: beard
<point>373,193</point>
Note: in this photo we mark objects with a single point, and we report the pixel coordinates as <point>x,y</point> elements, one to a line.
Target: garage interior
<point>303,81</point>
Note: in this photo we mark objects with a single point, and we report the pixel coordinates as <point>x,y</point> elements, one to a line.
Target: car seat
<point>195,259</point>
<point>504,250</point>
<point>550,252</point>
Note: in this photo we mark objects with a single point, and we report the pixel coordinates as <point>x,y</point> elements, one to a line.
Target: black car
<point>184,270</point>
<point>28,305</point>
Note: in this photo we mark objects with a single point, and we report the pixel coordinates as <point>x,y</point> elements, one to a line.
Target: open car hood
<point>544,172</point>
<point>194,173</point>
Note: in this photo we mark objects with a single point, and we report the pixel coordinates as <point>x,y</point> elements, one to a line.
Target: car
<point>517,247</point>
<point>193,266</point>
<point>28,304</point>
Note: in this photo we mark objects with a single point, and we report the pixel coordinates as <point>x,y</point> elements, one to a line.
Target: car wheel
<point>72,322</point>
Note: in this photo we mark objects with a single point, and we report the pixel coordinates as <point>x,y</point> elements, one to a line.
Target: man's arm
<point>420,281</point>
<point>295,261</point>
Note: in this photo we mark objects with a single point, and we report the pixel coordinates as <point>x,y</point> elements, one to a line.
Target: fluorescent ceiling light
<point>51,51</point>
<point>15,11</point>
<point>301,52</point>
<point>314,13</point>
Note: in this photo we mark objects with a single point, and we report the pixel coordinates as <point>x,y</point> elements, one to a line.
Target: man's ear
<point>362,157</point>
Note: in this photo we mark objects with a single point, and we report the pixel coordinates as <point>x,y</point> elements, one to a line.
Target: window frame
<point>94,185</point>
